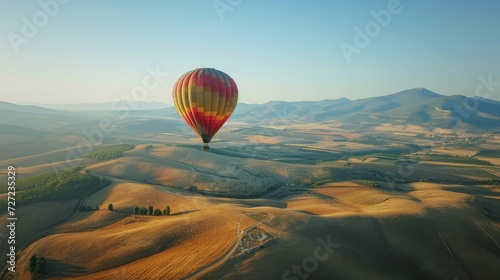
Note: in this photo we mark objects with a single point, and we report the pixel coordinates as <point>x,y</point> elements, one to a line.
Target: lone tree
<point>32,263</point>
<point>36,264</point>
<point>168,210</point>
<point>110,207</point>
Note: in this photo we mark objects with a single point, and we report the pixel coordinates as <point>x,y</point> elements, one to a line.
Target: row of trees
<point>151,211</point>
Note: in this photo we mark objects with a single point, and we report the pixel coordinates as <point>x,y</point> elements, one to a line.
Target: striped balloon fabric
<point>205,98</point>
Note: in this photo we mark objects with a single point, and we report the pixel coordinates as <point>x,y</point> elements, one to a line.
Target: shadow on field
<point>184,212</point>
<point>472,190</point>
<point>55,268</point>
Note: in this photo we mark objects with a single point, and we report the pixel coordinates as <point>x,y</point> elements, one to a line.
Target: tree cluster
<point>111,152</point>
<point>151,211</point>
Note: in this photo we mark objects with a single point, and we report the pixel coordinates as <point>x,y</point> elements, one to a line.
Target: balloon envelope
<point>205,98</point>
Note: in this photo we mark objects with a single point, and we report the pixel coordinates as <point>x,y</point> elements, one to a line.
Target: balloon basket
<point>205,148</point>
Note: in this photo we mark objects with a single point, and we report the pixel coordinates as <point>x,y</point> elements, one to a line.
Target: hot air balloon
<point>205,98</point>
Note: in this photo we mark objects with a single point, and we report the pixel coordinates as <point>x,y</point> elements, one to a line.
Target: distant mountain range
<point>414,106</point>
<point>106,106</point>
<point>6,107</point>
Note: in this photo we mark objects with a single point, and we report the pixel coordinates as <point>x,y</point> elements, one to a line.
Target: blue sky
<point>96,51</point>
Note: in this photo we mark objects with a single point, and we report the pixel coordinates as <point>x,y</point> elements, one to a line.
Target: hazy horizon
<point>61,52</point>
<point>170,103</point>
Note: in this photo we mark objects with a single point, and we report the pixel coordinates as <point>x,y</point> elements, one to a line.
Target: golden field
<point>387,212</point>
